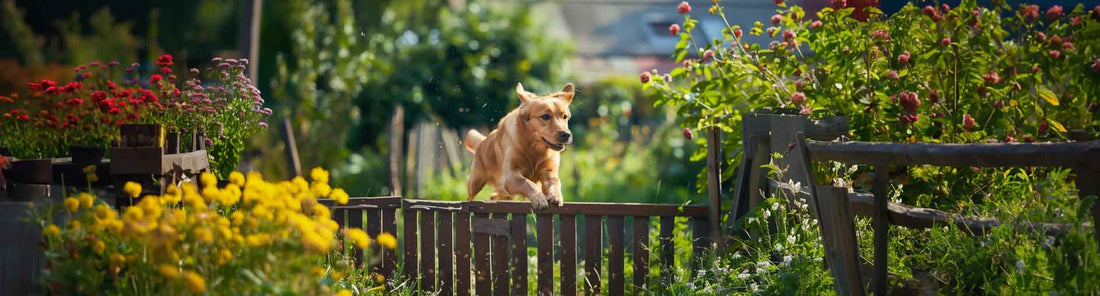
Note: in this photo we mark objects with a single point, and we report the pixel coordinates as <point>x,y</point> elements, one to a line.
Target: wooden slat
<point>641,253</point>
<point>373,226</point>
<point>838,234</point>
<point>481,260</point>
<point>568,255</point>
<point>668,224</point>
<point>1069,155</point>
<point>355,220</point>
<point>410,245</point>
<point>545,236</point>
<point>593,253</point>
<point>615,284</point>
<point>462,253</point>
<point>445,254</point>
<point>700,229</point>
<point>881,228</point>
<point>389,256</point>
<point>519,254</point>
<point>382,202</point>
<point>427,251</point>
<point>590,208</point>
<point>714,176</point>
<point>490,226</point>
<point>500,257</point>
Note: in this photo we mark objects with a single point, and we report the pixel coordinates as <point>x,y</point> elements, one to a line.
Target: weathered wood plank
<point>615,283</point>
<point>593,253</point>
<point>700,228</point>
<point>668,248</point>
<point>427,251</point>
<point>490,226</point>
<point>881,228</point>
<point>591,208</point>
<point>714,177</point>
<point>410,245</point>
<point>519,254</point>
<point>1069,155</point>
<point>568,255</point>
<point>373,226</point>
<point>545,236</point>
<point>384,202</point>
<point>445,252</point>
<point>462,253</point>
<point>641,253</point>
<point>482,283</point>
<point>500,257</point>
<point>355,220</point>
<point>838,234</point>
<point>389,256</point>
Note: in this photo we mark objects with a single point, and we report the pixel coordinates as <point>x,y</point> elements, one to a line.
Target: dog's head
<point>547,117</point>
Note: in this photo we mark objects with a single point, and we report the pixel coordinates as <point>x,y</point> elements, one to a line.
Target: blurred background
<point>380,91</point>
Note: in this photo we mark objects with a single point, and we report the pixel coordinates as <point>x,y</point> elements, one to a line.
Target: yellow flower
<point>75,224</point>
<point>387,240</point>
<point>343,292</point>
<point>319,175</point>
<point>318,271</point>
<point>236,178</point>
<point>51,230</point>
<point>116,261</point>
<point>92,178</point>
<point>98,247</point>
<point>168,271</point>
<point>132,189</point>
<point>360,237</point>
<point>90,169</point>
<point>194,282</point>
<point>72,204</point>
<point>86,200</point>
<point>225,255</point>
<point>204,235</point>
<point>379,278</point>
<point>321,190</point>
<point>340,196</point>
<point>208,180</point>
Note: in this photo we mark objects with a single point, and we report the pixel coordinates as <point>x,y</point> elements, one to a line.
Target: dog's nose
<point>564,136</point>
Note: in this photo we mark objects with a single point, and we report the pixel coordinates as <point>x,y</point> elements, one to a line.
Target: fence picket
<point>445,255</point>
<point>500,257</point>
<point>373,226</point>
<point>615,285</point>
<point>462,253</point>
<point>700,232</point>
<point>667,247</point>
<point>389,256</point>
<point>519,254</point>
<point>355,220</point>
<point>427,251</point>
<point>545,236</point>
<point>641,253</point>
<point>410,244</point>
<point>481,260</point>
<point>593,253</point>
<point>568,255</point>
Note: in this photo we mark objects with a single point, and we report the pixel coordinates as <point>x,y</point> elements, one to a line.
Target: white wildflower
<point>736,255</point>
<point>753,287</point>
<point>791,239</point>
<point>778,247</point>
<point>763,264</point>
<point>1020,266</point>
<point>767,213</point>
<point>787,260</point>
<point>743,276</point>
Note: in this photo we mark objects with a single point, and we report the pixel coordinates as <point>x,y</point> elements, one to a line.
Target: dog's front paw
<point>556,200</point>
<point>539,203</point>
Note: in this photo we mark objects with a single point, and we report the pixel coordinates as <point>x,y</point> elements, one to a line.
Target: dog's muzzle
<point>555,146</point>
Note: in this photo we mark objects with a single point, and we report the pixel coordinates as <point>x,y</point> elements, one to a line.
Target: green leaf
<point>1047,95</point>
<point>1057,126</point>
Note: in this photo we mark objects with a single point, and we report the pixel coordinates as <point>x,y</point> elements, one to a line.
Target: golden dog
<point>521,156</point>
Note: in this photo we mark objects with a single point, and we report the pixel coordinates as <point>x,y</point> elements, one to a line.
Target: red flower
<point>778,2</point>
<point>23,117</point>
<point>707,55</point>
<point>798,98</point>
<point>788,35</point>
<point>1096,66</point>
<point>164,60</point>
<point>645,77</point>
<point>674,29</point>
<point>165,70</point>
<point>968,122</point>
<point>1034,68</point>
<point>153,79</point>
<point>737,33</point>
<point>1056,40</point>
<point>687,133</point>
<point>684,7</point>
<point>816,24</point>
<point>75,102</point>
<point>776,19</point>
<point>1055,54</point>
<point>909,101</point>
<point>1009,139</point>
<point>1068,46</point>
<point>903,58</point>
<point>1054,13</point>
<point>909,118</point>
<point>1030,12</point>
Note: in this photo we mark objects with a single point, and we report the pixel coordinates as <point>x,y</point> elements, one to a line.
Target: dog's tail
<point>473,138</point>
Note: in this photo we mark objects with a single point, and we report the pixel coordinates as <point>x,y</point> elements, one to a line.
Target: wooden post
<point>249,41</point>
<point>1087,183</point>
<point>292,159</point>
<point>838,233</point>
<point>714,178</point>
<point>397,135</point>
<point>881,227</point>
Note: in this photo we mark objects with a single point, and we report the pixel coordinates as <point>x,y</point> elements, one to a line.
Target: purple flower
<point>208,142</point>
<point>266,111</point>
<point>231,61</point>
<point>135,65</point>
<point>243,61</point>
<point>113,63</point>
<point>263,124</point>
<point>223,66</point>
<point>216,60</point>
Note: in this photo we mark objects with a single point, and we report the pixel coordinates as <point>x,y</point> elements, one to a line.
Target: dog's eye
<point>565,116</point>
<point>545,117</point>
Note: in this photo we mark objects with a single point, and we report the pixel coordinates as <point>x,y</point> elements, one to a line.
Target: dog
<point>522,155</point>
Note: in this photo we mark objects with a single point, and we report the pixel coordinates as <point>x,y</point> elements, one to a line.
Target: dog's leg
<point>551,186</point>
<point>515,183</point>
<point>474,183</point>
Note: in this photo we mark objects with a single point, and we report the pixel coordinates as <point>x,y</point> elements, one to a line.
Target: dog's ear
<point>523,95</point>
<point>566,93</point>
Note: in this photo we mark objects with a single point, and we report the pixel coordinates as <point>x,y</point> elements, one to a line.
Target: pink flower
<point>707,55</point>
<point>684,7</point>
<point>909,101</point>
<point>992,78</point>
<point>1035,68</point>
<point>945,41</point>
<point>798,98</point>
<point>968,122</point>
<point>893,75</point>
<point>1042,36</point>
<point>674,29</point>
<point>816,24</point>
<point>1055,54</point>
<point>1030,12</point>
<point>645,77</point>
<point>909,118</point>
<point>776,19</point>
<point>788,35</point>
<point>687,133</point>
<point>1054,13</point>
<point>1068,46</point>
<point>1009,139</point>
<point>1096,66</point>
<point>903,58</point>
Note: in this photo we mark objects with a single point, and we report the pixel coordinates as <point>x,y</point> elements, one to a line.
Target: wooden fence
<point>480,248</point>
<point>834,207</point>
